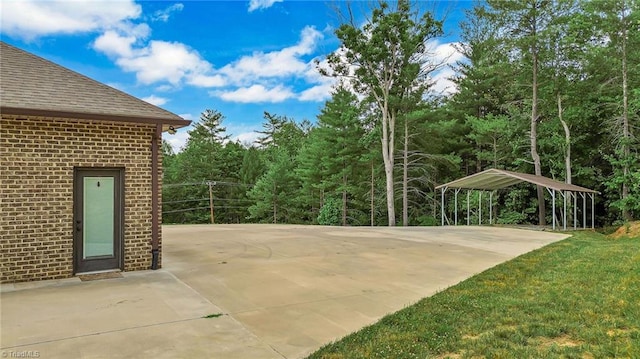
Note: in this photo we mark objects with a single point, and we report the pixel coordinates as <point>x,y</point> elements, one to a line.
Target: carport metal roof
<point>494,179</point>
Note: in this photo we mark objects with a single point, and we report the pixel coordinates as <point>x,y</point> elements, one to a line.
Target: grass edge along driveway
<point>577,298</point>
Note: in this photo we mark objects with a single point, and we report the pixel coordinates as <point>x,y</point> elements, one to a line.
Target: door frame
<point>81,265</point>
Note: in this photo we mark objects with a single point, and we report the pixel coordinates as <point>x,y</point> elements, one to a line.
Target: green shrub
<point>511,217</point>
<point>330,213</point>
<point>428,221</point>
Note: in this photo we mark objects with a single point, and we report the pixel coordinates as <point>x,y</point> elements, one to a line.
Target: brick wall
<point>37,161</point>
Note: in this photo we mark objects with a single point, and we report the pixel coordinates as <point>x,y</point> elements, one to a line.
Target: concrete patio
<point>283,291</point>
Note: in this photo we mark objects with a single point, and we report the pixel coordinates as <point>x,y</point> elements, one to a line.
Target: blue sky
<point>238,57</point>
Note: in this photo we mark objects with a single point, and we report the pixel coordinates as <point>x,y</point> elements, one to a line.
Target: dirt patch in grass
<point>471,337</point>
<point>449,356</point>
<point>501,328</point>
<point>631,230</point>
<point>561,341</point>
<point>620,332</point>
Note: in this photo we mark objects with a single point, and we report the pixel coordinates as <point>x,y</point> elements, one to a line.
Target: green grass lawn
<point>578,298</point>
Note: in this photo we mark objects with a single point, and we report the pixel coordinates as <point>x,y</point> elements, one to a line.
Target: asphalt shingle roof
<point>31,85</point>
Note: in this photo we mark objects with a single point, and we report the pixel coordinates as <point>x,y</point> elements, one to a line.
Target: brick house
<point>80,173</point>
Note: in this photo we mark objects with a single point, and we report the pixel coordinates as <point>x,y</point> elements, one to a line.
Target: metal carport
<point>495,179</point>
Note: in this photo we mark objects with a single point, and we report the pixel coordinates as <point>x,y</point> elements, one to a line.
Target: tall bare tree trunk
<point>405,176</point>
<point>372,194</point>
<point>626,131</point>
<point>567,152</point>
<point>534,129</point>
<point>388,144</point>
<point>567,141</point>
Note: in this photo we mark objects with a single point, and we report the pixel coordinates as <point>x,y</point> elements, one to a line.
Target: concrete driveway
<point>283,291</point>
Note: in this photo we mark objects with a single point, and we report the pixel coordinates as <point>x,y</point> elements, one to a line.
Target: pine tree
<point>391,61</point>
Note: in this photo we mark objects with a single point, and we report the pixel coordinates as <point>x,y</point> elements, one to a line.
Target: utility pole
<point>211,200</point>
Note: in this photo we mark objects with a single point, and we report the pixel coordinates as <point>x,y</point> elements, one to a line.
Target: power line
<point>185,210</point>
<point>206,183</point>
<point>185,200</point>
<point>246,200</point>
<point>201,208</point>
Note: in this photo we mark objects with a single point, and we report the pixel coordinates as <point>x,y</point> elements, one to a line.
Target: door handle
<point>78,225</point>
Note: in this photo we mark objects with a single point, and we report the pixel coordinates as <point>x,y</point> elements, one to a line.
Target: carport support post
<point>553,208</point>
<point>564,217</point>
<point>442,205</point>
<point>468,210</point>
<point>584,211</point>
<point>593,210</point>
<point>480,209</point>
<point>455,215</point>
<point>575,211</point>
<point>490,207</point>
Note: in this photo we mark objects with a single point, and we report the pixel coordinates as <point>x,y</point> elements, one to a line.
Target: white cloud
<point>255,93</point>
<point>257,74</point>
<point>247,138</point>
<point>243,133</point>
<point>442,85</point>
<point>29,19</point>
<point>164,88</point>
<point>156,61</point>
<point>286,62</point>
<point>140,31</point>
<point>119,41</point>
<point>176,63</point>
<point>177,141</point>
<point>123,36</point>
<point>114,44</point>
<point>446,55</point>
<point>308,40</point>
<point>313,75</point>
<point>201,80</point>
<point>317,93</point>
<point>163,15</point>
<point>260,76</point>
<point>324,85</point>
<point>163,61</point>
<point>261,4</point>
<point>155,100</point>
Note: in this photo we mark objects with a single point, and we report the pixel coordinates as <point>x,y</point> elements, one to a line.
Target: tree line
<point>545,87</point>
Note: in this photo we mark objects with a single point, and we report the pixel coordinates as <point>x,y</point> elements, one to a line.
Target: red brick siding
<point>37,161</point>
